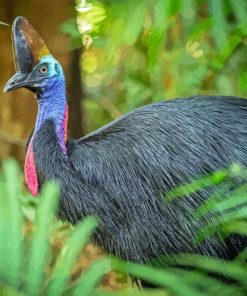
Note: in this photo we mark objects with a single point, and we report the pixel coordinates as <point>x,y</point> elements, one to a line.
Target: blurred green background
<point>117,56</point>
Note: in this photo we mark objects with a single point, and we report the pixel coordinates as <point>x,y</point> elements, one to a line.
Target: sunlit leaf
<point>158,34</point>
<point>135,23</point>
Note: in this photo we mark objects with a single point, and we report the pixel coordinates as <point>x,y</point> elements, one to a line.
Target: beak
<point>16,81</point>
<point>28,50</point>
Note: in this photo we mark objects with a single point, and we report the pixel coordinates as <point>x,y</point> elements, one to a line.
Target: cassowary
<point>122,171</point>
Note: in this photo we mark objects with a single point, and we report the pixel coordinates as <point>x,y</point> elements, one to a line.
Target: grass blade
<point>209,264</point>
<point>93,276</point>
<point>10,224</point>
<point>40,241</point>
<point>160,277</point>
<point>69,254</point>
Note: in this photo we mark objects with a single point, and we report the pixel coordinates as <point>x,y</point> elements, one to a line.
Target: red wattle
<point>65,122</point>
<point>31,172</point>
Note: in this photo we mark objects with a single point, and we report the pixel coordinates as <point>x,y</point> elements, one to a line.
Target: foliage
<point>24,260</point>
<point>138,52</point>
<point>29,267</point>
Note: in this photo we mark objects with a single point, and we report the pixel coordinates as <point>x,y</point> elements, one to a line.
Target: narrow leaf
<point>69,254</point>
<point>219,24</point>
<point>39,253</point>
<point>159,277</point>
<point>210,264</point>
<point>92,277</point>
<point>11,224</point>
<point>158,35</point>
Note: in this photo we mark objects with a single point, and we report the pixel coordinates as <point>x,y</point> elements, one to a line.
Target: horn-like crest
<point>28,46</point>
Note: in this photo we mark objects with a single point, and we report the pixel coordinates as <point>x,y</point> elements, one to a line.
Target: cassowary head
<point>39,72</point>
<point>36,69</point>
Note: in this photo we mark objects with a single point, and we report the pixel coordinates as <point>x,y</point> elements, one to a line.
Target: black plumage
<point>121,171</point>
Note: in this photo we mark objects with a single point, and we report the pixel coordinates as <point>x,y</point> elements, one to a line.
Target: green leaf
<point>158,34</point>
<point>70,27</point>
<point>211,202</point>
<point>239,227</point>
<point>239,10</point>
<point>231,203</point>
<point>160,277</point>
<point>219,24</point>
<point>224,85</point>
<point>203,182</point>
<point>205,282</point>
<point>10,224</point>
<point>40,247</point>
<point>7,291</point>
<point>188,12</point>
<point>210,264</point>
<point>92,277</point>
<point>201,28</point>
<point>69,254</point>
<point>135,23</point>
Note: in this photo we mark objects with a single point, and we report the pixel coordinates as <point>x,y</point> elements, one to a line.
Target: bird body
<point>122,172</point>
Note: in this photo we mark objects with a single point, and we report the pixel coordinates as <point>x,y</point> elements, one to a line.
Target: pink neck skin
<point>30,170</point>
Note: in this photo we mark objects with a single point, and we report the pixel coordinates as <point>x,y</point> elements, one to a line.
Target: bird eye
<point>43,70</point>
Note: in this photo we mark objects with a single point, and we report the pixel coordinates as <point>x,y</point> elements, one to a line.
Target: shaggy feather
<point>121,172</point>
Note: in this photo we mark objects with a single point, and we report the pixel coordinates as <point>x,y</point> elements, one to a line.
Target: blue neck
<point>52,106</point>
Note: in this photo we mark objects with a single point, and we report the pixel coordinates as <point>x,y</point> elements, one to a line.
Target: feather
<point>122,171</point>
